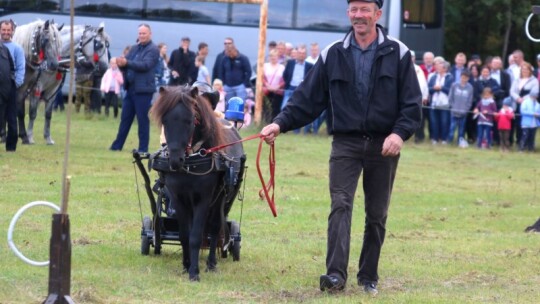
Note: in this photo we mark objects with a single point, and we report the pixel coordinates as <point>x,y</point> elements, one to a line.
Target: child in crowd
<point>110,85</point>
<point>218,86</point>
<point>460,99</point>
<point>485,111</point>
<point>203,74</point>
<point>504,123</point>
<point>530,120</point>
<point>249,103</point>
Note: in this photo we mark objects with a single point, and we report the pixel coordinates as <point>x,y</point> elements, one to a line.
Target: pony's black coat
<point>202,199</point>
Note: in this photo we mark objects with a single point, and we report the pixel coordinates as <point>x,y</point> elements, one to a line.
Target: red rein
<point>268,187</point>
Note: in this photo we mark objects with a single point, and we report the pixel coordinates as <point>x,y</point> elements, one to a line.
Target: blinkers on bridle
<point>100,46</point>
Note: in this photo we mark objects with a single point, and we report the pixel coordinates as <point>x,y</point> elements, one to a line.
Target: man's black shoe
<point>370,288</point>
<point>331,283</point>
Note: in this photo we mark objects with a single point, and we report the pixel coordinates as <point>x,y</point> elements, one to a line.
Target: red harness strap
<point>270,186</point>
<point>267,187</point>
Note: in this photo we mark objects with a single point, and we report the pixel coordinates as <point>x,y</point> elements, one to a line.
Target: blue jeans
<point>134,105</point>
<point>440,123</point>
<point>286,95</point>
<point>236,91</point>
<point>458,122</point>
<point>484,131</point>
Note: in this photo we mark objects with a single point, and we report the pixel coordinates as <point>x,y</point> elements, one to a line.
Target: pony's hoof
<point>194,278</point>
<point>26,141</point>
<point>211,267</point>
<point>49,141</point>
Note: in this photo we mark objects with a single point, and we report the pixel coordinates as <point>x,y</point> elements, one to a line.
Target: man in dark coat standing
<point>7,103</point>
<point>182,64</point>
<point>139,81</point>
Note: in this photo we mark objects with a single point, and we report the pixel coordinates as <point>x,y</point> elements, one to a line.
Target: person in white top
<point>314,52</point>
<point>515,69</point>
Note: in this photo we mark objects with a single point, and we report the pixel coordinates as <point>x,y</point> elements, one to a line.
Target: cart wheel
<point>147,223</point>
<point>235,234</point>
<point>226,240</point>
<point>157,235</point>
<point>145,245</point>
<point>145,241</point>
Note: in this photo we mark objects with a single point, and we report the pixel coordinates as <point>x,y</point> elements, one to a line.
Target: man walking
<point>368,85</point>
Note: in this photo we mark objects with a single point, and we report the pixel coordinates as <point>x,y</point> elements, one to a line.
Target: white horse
<point>41,43</point>
<point>89,43</point>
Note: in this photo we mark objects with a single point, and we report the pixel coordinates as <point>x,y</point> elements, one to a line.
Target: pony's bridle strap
<point>37,51</point>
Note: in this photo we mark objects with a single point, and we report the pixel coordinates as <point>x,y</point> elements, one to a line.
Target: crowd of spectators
<point>486,104</point>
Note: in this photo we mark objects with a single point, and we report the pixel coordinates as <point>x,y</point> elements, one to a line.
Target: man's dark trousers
<point>8,108</point>
<point>352,154</point>
<point>134,104</point>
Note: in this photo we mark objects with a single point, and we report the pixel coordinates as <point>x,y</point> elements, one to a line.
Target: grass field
<point>454,234</point>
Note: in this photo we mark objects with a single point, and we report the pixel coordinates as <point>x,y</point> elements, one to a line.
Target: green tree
<point>489,28</point>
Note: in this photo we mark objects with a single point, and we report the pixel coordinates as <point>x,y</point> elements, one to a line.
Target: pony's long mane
<point>23,35</point>
<point>169,97</point>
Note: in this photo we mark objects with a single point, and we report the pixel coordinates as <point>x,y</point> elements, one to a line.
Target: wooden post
<point>60,262</point>
<point>260,62</point>
<point>60,248</point>
<point>262,47</point>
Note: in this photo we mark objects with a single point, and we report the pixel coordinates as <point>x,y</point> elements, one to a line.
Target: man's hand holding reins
<point>270,132</point>
<point>392,145</point>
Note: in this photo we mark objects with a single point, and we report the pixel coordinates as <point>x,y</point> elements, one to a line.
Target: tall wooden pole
<point>260,62</point>
<point>60,248</point>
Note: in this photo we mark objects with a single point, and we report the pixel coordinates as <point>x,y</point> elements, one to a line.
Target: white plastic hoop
<point>527,29</point>
<point>12,227</point>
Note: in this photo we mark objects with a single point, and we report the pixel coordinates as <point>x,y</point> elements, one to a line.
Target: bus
<point>418,23</point>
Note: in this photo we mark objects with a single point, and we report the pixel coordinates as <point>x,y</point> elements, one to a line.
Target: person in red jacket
<point>504,124</point>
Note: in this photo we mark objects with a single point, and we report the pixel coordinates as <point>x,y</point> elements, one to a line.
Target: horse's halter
<point>40,40</point>
<point>99,47</point>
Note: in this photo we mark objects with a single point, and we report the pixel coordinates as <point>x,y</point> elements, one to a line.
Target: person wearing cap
<point>368,86</point>
<point>182,64</point>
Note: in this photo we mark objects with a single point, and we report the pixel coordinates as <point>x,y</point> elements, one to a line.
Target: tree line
<point>490,27</point>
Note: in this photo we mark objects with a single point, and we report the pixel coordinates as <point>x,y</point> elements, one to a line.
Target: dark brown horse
<point>202,186</point>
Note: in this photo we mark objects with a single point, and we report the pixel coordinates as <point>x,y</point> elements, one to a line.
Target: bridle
<point>40,40</point>
<point>100,44</point>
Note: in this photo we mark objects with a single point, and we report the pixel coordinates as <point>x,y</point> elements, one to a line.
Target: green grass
<point>454,234</point>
